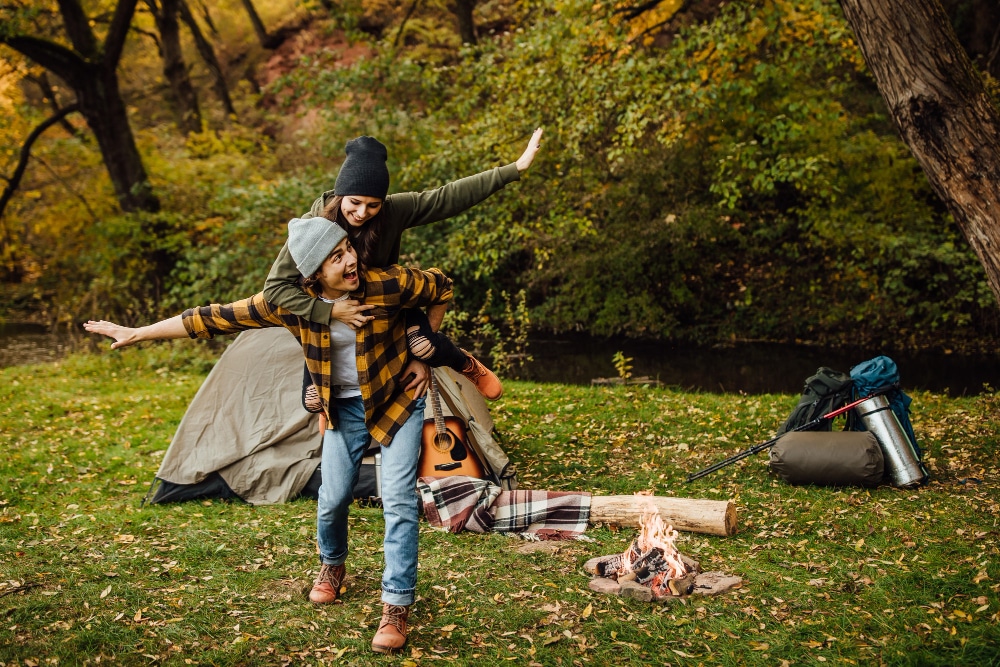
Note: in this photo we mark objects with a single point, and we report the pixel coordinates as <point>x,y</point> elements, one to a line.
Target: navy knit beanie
<point>364,172</point>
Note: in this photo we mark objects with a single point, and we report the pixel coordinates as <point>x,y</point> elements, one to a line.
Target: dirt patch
<point>285,590</point>
<point>313,41</point>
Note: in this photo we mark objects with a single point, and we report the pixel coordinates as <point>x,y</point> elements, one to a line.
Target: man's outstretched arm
<point>125,336</point>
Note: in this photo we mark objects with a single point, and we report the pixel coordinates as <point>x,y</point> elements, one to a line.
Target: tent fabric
<point>247,423</point>
<point>247,433</point>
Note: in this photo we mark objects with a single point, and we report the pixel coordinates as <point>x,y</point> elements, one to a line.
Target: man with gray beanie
<point>358,374</point>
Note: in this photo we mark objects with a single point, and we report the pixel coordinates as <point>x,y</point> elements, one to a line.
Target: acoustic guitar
<point>445,449</point>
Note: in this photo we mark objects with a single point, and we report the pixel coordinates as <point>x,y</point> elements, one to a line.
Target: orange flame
<point>655,533</point>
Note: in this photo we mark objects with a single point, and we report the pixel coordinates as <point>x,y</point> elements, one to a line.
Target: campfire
<point>652,569</point>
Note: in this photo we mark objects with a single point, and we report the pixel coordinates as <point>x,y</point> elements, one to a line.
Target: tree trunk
<point>101,104</point>
<point>208,55</point>
<point>462,9</point>
<point>940,106</point>
<point>174,67</point>
<point>258,26</point>
<point>91,71</point>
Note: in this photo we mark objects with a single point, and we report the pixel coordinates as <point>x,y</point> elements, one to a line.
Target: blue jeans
<point>343,449</point>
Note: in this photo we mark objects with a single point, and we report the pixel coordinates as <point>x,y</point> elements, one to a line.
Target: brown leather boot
<point>326,589</point>
<point>391,635</point>
<point>486,382</point>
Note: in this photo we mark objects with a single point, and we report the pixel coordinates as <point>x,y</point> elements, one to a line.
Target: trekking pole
<point>766,445</point>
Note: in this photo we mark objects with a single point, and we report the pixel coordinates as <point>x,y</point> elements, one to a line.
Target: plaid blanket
<point>460,503</point>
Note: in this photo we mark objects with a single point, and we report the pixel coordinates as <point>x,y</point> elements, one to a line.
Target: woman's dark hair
<point>363,238</point>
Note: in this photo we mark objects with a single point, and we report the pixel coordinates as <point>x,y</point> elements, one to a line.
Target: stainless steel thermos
<point>900,455</point>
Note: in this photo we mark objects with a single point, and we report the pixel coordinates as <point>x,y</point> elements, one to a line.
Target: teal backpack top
<point>880,375</point>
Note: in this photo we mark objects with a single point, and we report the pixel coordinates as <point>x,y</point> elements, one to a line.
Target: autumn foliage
<point>710,172</point>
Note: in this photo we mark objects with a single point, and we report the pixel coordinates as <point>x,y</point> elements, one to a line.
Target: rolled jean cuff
<point>401,598</point>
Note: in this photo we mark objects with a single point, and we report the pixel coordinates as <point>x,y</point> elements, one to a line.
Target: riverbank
<point>836,575</point>
<point>747,368</point>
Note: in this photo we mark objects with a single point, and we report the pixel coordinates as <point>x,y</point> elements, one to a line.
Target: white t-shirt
<point>343,358</point>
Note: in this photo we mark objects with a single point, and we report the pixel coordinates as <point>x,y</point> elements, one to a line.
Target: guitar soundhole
<point>449,442</point>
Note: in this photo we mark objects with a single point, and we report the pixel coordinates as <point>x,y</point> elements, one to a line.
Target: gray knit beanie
<point>364,172</point>
<point>310,242</point>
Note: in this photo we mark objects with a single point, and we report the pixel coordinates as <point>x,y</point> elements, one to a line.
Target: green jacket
<point>399,212</point>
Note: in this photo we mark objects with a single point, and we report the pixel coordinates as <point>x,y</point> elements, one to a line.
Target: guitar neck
<point>436,406</point>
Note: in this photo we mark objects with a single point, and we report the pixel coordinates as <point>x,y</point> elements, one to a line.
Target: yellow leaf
<point>105,592</point>
<point>449,628</point>
<point>586,612</point>
<point>759,646</point>
<point>138,616</point>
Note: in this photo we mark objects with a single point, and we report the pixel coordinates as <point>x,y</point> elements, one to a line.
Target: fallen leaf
<point>105,592</point>
<point>588,611</point>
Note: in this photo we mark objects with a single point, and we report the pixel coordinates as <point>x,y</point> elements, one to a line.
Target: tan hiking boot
<point>391,635</point>
<point>326,589</point>
<point>486,382</point>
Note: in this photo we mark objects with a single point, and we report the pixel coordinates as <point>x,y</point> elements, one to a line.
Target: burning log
<point>712,517</point>
<point>652,560</point>
<point>651,568</point>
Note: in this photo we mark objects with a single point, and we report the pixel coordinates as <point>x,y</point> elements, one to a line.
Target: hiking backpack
<point>880,375</point>
<point>823,393</point>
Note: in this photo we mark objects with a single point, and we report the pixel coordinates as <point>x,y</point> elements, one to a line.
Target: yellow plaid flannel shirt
<point>381,346</point>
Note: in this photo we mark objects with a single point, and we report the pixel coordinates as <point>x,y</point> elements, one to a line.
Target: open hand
<point>528,156</point>
<point>352,313</point>
<point>124,336</point>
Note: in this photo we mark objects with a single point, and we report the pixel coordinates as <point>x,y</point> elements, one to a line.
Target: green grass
<point>837,576</point>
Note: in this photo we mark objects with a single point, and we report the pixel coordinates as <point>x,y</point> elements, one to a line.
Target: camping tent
<point>246,435</point>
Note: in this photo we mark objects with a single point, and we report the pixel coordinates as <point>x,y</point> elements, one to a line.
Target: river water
<point>31,344</point>
<point>756,368</point>
<point>747,368</point>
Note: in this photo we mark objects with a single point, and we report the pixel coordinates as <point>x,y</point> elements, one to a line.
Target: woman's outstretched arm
<point>125,336</point>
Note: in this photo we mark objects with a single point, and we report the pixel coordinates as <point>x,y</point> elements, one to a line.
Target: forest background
<point>710,171</point>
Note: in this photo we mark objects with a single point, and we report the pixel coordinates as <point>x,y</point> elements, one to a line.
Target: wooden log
<point>712,517</point>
